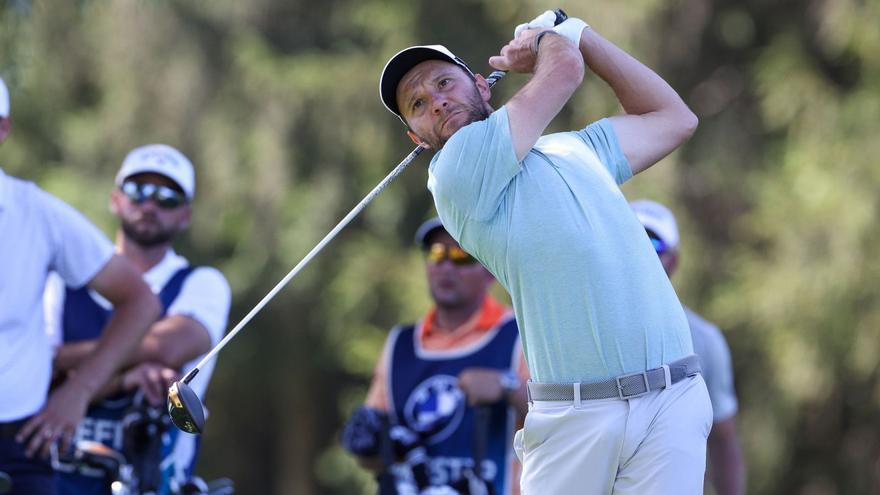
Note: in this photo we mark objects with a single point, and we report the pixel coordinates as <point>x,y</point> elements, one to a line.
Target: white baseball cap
<point>4,100</point>
<point>163,160</point>
<point>658,219</point>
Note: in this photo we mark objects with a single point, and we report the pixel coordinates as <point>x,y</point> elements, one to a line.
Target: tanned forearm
<point>117,342</point>
<point>638,88</point>
<point>657,120</point>
<point>172,342</point>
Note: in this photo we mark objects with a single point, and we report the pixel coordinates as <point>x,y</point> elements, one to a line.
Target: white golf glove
<point>571,28</point>
<point>545,20</point>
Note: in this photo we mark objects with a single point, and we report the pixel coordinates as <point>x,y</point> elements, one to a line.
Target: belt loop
<point>529,392</point>
<point>577,395</point>
<point>667,375</point>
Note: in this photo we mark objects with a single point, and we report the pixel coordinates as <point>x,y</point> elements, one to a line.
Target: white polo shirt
<point>38,234</point>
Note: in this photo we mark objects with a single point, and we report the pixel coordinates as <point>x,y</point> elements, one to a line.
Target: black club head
<point>185,408</point>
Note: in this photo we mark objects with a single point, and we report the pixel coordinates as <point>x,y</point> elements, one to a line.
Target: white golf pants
<point>652,444</point>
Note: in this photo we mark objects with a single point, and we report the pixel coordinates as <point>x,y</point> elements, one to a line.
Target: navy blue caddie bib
<point>426,399</point>
<point>84,319</point>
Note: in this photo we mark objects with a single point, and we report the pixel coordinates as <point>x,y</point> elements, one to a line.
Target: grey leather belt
<point>622,387</point>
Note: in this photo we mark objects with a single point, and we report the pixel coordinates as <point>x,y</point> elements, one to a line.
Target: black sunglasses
<point>165,197</point>
<point>438,252</point>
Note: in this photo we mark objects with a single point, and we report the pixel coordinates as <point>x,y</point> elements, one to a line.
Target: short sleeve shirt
<point>591,297</point>
<point>711,347</point>
<point>38,234</point>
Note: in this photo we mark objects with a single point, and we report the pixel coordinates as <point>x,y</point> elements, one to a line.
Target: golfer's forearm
<point>124,331</point>
<point>638,88</point>
<point>559,70</point>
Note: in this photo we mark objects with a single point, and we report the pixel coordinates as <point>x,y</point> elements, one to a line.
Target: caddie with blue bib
<point>446,393</point>
<point>155,188</point>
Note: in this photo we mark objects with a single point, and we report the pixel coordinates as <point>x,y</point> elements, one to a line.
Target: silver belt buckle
<point>622,396</point>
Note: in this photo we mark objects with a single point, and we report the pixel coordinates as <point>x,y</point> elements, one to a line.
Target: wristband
<point>538,39</point>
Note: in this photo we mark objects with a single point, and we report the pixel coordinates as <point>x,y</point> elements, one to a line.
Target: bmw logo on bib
<point>435,408</point>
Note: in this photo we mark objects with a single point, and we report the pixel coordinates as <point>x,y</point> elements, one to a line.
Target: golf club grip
<point>495,76</point>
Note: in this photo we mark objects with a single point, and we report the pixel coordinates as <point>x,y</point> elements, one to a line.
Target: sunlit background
<point>276,104</point>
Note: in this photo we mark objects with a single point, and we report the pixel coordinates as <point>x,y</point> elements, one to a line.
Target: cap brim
<point>403,62</point>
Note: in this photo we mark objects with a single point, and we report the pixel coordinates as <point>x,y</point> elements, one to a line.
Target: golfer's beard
<point>476,111</point>
<point>147,239</point>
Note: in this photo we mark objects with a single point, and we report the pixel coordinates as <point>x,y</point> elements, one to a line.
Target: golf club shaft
<point>329,237</point>
<point>493,78</point>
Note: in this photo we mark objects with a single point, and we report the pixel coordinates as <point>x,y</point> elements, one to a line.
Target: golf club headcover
<point>361,434</point>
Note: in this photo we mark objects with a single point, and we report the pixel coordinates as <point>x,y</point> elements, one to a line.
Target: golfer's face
<point>437,99</point>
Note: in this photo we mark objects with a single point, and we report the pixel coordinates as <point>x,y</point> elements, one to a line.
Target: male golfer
<point>618,402</point>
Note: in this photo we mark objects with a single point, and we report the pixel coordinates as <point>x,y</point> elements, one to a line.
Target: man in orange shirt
<point>451,387</point>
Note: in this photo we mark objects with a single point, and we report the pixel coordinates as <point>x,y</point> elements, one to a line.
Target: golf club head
<point>185,408</point>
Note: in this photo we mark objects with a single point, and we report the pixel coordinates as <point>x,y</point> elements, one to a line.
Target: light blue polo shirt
<point>589,292</point>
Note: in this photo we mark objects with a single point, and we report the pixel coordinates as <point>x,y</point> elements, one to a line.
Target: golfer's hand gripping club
<point>561,16</point>
<point>184,406</point>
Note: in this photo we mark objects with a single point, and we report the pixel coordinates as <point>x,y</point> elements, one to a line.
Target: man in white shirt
<point>727,470</point>
<point>155,189</point>
<point>38,234</point>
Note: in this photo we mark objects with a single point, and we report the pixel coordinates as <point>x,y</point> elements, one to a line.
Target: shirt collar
<point>160,274</point>
<point>486,317</point>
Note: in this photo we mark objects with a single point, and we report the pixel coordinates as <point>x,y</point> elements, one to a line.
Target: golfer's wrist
<point>536,45</point>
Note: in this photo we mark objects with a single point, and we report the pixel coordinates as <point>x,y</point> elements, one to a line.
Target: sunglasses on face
<point>660,247</point>
<point>165,197</point>
<point>439,252</point>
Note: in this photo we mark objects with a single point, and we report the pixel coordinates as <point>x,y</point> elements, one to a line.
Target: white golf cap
<point>163,160</point>
<point>406,59</point>
<point>658,219</point>
<point>4,100</point>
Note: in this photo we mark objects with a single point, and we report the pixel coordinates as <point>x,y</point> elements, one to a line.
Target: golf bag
<point>406,471</point>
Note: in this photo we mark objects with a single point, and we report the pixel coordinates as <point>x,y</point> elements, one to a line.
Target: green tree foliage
<point>276,103</point>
